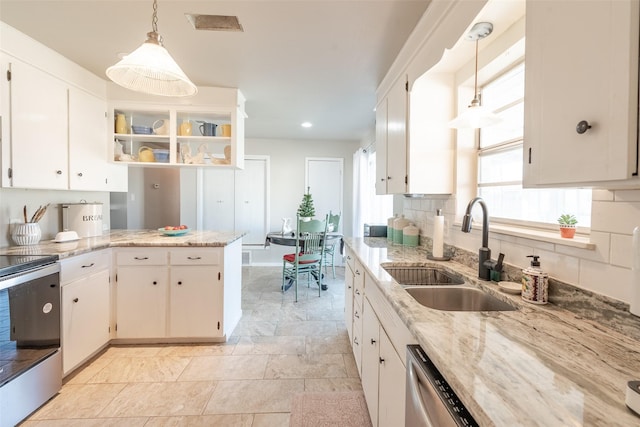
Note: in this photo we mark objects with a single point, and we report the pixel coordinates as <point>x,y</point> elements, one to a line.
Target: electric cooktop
<point>12,264</point>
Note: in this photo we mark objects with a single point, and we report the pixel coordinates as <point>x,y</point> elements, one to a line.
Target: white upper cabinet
<point>581,103</point>
<point>391,140</point>
<point>36,128</point>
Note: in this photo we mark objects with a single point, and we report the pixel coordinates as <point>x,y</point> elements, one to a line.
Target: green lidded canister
<point>398,225</point>
<point>411,235</point>
<point>390,228</point>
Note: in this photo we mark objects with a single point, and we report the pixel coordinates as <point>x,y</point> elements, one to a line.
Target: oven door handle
<point>416,381</point>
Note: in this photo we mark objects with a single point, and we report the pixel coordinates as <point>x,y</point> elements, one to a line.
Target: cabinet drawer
<point>142,257</point>
<point>195,257</point>
<point>73,268</point>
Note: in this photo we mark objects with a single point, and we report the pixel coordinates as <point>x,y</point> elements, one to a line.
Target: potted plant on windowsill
<point>306,211</point>
<point>567,225</point>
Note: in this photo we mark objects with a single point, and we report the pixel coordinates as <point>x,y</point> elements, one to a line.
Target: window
<point>500,162</point>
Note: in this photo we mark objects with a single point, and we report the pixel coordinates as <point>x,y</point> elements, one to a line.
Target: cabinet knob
<point>76,300</point>
<point>155,283</point>
<point>373,341</point>
<point>80,174</point>
<point>356,315</point>
<point>382,179</point>
<point>355,341</point>
<point>348,286</point>
<point>180,283</point>
<point>357,292</point>
<point>388,178</point>
<point>582,127</point>
<point>381,360</point>
<point>59,172</point>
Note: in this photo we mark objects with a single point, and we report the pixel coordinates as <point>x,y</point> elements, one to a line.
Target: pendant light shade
<point>476,116</point>
<point>151,69</point>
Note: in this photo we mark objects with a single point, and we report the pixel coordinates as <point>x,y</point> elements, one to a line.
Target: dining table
<point>289,239</point>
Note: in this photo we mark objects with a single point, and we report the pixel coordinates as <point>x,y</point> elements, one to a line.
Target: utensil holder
<point>26,234</point>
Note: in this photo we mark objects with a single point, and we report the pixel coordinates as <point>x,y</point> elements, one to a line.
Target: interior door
<point>324,177</point>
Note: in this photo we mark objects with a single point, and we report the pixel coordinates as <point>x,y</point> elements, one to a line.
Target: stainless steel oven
<point>430,400</point>
<point>30,360</point>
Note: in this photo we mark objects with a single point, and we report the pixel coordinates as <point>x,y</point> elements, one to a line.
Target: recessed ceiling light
<point>306,125</point>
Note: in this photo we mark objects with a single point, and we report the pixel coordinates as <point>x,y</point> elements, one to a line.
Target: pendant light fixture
<point>476,116</point>
<point>151,69</point>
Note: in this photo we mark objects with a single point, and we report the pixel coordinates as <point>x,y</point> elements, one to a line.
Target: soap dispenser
<point>535,283</point>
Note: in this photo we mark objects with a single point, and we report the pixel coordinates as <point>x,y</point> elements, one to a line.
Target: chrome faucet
<point>484,255</point>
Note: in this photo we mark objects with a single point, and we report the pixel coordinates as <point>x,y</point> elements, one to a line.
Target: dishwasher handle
<point>415,383</point>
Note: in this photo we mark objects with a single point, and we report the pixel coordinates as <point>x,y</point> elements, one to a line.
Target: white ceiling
<point>296,61</point>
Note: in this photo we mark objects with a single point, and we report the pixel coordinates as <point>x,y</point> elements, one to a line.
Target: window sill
<point>580,241</point>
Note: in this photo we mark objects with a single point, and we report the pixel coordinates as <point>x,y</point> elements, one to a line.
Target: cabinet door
<point>381,147</point>
<point>392,391</point>
<point>250,200</point>
<point>218,206</point>
<point>196,301</point>
<point>85,318</point>
<point>397,138</point>
<point>38,129</point>
<point>87,142</point>
<point>370,359</point>
<point>356,341</point>
<point>574,73</point>
<point>141,302</point>
<point>348,300</point>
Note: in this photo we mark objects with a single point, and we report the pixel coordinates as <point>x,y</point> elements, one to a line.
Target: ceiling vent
<point>214,22</point>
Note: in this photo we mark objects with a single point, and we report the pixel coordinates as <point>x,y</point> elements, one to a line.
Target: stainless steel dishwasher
<point>430,400</point>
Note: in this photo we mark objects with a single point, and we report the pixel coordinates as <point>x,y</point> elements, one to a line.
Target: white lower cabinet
<point>370,360</point>
<point>141,301</point>
<point>196,302</point>
<point>178,293</point>
<point>379,339</point>
<point>348,299</point>
<point>85,307</point>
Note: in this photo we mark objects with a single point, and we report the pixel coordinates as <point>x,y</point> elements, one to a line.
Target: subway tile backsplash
<point>606,270</point>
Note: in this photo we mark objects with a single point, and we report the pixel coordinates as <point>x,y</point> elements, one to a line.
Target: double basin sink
<point>441,290</point>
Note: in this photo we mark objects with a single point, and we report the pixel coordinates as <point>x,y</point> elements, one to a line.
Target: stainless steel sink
<point>457,299</point>
<point>417,275</point>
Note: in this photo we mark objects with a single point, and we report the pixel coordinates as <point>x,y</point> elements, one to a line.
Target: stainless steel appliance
<point>430,400</point>
<point>30,359</point>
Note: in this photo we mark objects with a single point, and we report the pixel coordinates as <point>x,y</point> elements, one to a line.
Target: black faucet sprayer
<point>484,254</point>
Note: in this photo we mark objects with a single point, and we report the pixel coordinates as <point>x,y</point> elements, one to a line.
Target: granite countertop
<point>126,238</point>
<point>536,366</point>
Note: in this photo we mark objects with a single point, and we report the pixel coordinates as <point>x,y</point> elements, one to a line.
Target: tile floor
<point>278,349</point>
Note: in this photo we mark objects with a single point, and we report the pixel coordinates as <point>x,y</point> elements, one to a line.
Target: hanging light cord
<point>154,19</point>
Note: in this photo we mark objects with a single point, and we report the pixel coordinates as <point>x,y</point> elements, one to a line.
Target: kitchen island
<point>535,366</point>
<point>141,286</point>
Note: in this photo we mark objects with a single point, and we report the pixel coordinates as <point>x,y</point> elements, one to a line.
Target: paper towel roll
<point>438,235</point>
<point>634,305</point>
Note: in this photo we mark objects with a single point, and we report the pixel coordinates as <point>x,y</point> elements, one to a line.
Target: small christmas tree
<point>306,208</point>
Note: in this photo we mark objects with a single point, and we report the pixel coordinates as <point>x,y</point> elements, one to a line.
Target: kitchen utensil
<point>224,130</point>
<point>186,128</point>
<point>161,127</point>
<point>143,130</point>
<point>24,213</point>
<point>145,154</point>
<point>208,129</point>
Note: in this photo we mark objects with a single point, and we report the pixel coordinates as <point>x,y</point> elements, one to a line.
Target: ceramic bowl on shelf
<point>142,130</point>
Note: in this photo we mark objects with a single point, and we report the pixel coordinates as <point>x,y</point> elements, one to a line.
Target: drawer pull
<point>381,360</point>
<point>140,258</point>
<point>355,341</point>
<point>356,315</point>
<point>90,265</point>
<point>357,292</point>
<point>76,300</point>
<point>194,258</point>
<point>358,272</point>
<point>373,341</point>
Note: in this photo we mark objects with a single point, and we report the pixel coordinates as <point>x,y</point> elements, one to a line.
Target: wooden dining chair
<point>333,221</point>
<point>308,256</point>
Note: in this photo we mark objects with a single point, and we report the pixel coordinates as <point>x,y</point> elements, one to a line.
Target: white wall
<point>13,200</point>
